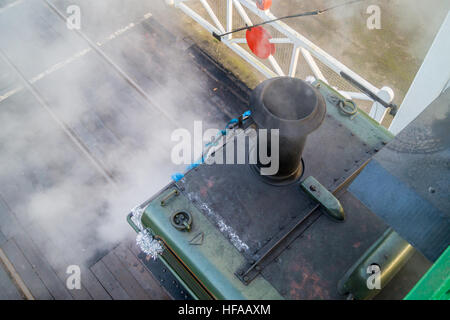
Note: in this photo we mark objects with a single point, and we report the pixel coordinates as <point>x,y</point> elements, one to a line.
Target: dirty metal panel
<point>250,212</point>
<point>246,210</point>
<point>312,265</point>
<point>407,184</point>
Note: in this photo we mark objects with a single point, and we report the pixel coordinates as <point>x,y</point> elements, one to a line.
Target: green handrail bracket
<point>319,193</point>
<point>435,284</point>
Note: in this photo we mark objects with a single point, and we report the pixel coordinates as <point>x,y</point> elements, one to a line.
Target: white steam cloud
<point>47,181</point>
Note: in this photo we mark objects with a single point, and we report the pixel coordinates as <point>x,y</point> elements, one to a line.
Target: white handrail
<point>300,44</point>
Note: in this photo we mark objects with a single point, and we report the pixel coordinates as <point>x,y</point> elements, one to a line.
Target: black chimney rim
<point>265,118</point>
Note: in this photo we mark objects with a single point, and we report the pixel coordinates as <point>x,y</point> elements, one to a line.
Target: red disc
<point>258,41</point>
<point>263,4</point>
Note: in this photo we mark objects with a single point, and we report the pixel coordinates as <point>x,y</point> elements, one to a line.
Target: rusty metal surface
<point>256,210</point>
<point>313,264</point>
<point>253,214</point>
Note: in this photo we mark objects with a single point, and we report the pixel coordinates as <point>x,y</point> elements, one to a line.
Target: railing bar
<point>313,65</point>
<point>242,13</point>
<point>229,18</point>
<point>212,15</point>
<point>274,40</point>
<point>356,95</point>
<point>258,65</point>
<point>275,65</point>
<point>294,61</point>
<point>301,41</point>
<point>194,15</point>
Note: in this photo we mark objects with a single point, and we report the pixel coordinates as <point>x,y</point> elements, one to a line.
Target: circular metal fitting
<point>181,220</point>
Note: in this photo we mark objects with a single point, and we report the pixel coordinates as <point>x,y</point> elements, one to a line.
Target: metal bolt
<point>245,278</point>
<point>431,190</point>
<point>312,188</point>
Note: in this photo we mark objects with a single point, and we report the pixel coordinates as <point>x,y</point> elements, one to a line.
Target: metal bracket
<point>328,201</point>
<point>174,192</point>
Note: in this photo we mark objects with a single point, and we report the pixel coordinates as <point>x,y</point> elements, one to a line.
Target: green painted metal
<point>319,193</point>
<point>214,261</point>
<point>390,252</point>
<point>179,272</point>
<point>435,284</point>
<point>361,124</point>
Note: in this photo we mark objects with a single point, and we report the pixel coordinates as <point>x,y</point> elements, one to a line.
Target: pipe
<point>389,253</point>
<point>295,108</point>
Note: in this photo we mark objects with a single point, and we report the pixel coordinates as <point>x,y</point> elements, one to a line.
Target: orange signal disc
<point>263,4</point>
<point>258,42</point>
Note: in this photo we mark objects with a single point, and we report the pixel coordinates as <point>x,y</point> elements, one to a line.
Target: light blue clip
<point>177,176</point>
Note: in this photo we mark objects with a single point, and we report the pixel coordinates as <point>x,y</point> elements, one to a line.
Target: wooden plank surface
<point>26,271</point>
<point>2,239</point>
<point>8,290</point>
<point>45,272</point>
<point>140,273</point>
<point>109,121</point>
<point>90,286</point>
<point>9,226</point>
<point>109,282</point>
<point>124,277</point>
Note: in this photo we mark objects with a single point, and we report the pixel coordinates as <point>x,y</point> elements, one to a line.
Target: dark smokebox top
<point>295,108</point>
<point>285,102</point>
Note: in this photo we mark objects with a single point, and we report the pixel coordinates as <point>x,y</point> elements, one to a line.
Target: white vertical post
<point>229,18</point>
<point>313,65</point>
<point>212,15</point>
<point>275,65</point>
<point>431,79</point>
<point>242,12</point>
<point>294,61</point>
<point>378,111</point>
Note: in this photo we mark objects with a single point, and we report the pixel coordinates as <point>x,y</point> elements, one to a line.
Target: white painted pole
<point>430,81</point>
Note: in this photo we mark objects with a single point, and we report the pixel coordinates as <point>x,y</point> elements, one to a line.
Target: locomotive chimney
<point>295,108</point>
